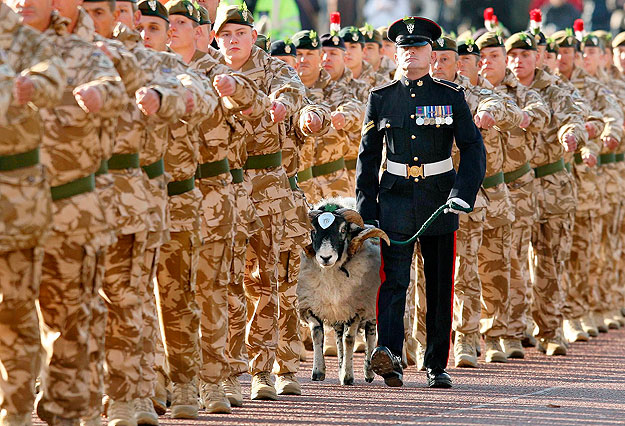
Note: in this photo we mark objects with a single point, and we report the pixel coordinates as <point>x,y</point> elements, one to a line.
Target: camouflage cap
<point>565,38</point>
<point>371,35</point>
<point>591,40</point>
<point>605,37</point>
<point>552,46</point>
<point>489,39</point>
<point>204,18</point>
<point>184,8</point>
<point>445,43</point>
<point>521,40</point>
<point>307,40</point>
<point>467,46</point>
<point>263,42</point>
<point>351,35</point>
<point>619,40</point>
<point>332,40</point>
<point>233,15</point>
<point>283,48</point>
<point>153,8</point>
<point>383,33</point>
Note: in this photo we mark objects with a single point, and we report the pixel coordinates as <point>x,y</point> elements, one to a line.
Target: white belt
<point>422,171</point>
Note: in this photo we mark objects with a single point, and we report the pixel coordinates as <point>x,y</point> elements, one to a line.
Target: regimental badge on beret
<point>336,40</point>
<point>152,5</point>
<point>355,37</point>
<point>244,11</point>
<point>190,8</point>
<point>287,48</point>
<point>441,42</point>
<point>409,24</point>
<point>469,48</point>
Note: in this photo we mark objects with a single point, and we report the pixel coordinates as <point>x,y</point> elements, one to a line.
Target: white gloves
<point>460,203</point>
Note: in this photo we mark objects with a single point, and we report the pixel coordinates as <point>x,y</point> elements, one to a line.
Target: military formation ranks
<point>158,161</point>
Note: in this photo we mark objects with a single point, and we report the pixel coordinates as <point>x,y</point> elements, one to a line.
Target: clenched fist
<point>88,98</point>
<point>312,122</point>
<point>278,111</point>
<point>591,129</point>
<point>189,101</point>
<point>525,121</point>
<point>610,142</point>
<point>23,90</point>
<point>225,85</point>
<point>338,120</point>
<point>570,142</point>
<point>148,100</point>
<point>589,159</point>
<point>484,120</point>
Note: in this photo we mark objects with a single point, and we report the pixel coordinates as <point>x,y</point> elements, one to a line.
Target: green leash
<point>428,222</point>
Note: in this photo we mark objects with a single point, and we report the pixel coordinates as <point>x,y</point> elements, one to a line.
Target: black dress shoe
<point>387,365</point>
<point>438,378</point>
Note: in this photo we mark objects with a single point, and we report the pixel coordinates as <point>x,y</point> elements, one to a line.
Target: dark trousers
<point>438,259</point>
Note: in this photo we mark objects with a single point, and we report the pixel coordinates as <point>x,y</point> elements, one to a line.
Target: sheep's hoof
<point>318,376</point>
<point>369,379</point>
<point>347,381</point>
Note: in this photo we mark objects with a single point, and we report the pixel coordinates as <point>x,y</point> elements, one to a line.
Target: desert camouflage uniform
<point>387,68</point>
<point>272,197</point>
<point>296,235</point>
<point>179,257</point>
<point>484,234</point>
<point>519,178</point>
<point>25,208</point>
<point>332,148</point>
<point>218,214</point>
<point>552,232</point>
<point>72,151</point>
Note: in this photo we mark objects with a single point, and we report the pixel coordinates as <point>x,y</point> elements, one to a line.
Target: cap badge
<point>152,5</point>
<point>470,48</point>
<point>335,40</point>
<point>410,28</point>
<point>440,42</point>
<point>287,48</point>
<point>355,37</point>
<point>314,42</point>
<point>190,9</point>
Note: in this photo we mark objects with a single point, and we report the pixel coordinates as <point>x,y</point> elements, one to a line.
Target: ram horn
<point>351,216</point>
<point>358,240</point>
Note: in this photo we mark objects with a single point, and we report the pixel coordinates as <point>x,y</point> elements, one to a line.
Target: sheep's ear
<point>312,214</point>
<point>358,240</point>
<point>309,251</point>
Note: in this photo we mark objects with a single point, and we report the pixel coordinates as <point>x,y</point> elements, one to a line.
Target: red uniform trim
<point>382,281</point>
<point>453,280</point>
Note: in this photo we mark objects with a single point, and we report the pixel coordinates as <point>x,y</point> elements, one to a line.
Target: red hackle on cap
<point>578,25</point>
<point>335,21</point>
<point>489,12</point>
<point>536,15</point>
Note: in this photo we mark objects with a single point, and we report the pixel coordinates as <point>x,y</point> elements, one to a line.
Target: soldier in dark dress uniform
<point>418,118</point>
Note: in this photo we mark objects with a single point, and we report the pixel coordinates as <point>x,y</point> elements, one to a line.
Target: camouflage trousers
<point>67,289</point>
<point>551,244</point>
<point>236,352</point>
<point>418,277</point>
<point>311,190</point>
<point>177,270</point>
<point>289,342</point>
<point>261,290</point>
<point>213,277</point>
<point>605,264</point>
<point>577,268</point>
<point>335,184</point>
<point>593,295</point>
<point>520,281</point>
<point>620,289</point>
<point>20,344</point>
<point>467,284</point>
<point>150,331</point>
<point>122,287</point>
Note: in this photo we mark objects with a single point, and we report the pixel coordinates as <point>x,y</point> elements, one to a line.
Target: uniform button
<point>413,137</point>
<point>388,125</point>
<point>411,115</point>
<point>412,95</point>
<point>416,159</point>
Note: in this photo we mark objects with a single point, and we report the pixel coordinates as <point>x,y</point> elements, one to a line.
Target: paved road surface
<point>585,388</point>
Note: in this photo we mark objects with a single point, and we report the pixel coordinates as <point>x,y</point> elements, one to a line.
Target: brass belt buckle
<point>415,171</point>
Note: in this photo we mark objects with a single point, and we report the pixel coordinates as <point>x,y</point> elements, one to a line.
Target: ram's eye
<point>343,230</point>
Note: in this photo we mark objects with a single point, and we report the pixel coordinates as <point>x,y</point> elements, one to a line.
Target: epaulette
<point>384,86</point>
<point>449,84</point>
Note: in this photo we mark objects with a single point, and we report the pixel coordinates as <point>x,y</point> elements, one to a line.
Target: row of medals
<point>442,115</point>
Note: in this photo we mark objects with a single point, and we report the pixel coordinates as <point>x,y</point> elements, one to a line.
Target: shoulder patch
<point>384,86</point>
<point>449,84</point>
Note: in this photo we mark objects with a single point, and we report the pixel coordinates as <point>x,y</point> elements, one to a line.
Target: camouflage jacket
<point>387,68</point>
<point>371,78</point>
<point>25,203</point>
<point>358,92</point>
<point>271,192</point>
<point>521,142</point>
<point>71,140</point>
<point>216,140</point>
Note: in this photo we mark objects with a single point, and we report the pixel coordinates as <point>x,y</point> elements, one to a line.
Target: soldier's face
<point>155,32</point>
<point>566,59</point>
<point>126,14</point>
<point>211,6</point>
<point>308,63</point>
<point>235,41</point>
<point>290,60</point>
<point>333,61</point>
<point>619,58</point>
<point>542,51</point>
<point>389,49</point>
<point>445,66</point>
<point>607,58</point>
<point>522,63</point>
<point>183,33</point>
<point>67,8</point>
<point>415,59</point>
<point>34,13</point>
<point>372,54</point>
<point>551,60</point>
<point>493,64</point>
<point>103,17</point>
<point>468,65</point>
<point>203,37</point>
<point>591,59</point>
<point>353,54</point>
